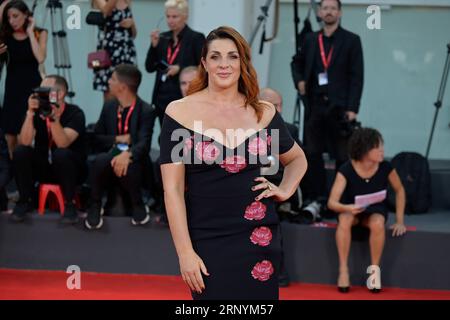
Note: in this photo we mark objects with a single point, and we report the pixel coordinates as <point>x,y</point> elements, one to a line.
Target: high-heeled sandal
<point>377,290</point>
<point>344,289</point>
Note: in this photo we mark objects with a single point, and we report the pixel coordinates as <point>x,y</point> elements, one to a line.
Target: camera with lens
<point>47,98</point>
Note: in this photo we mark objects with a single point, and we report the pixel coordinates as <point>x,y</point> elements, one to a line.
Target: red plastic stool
<point>44,190</point>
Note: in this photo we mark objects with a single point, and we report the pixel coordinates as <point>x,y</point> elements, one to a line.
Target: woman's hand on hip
<point>270,190</point>
<point>192,267</point>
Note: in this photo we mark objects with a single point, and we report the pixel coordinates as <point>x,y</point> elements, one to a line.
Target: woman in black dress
<point>116,37</point>
<point>365,174</point>
<point>221,210</point>
<point>26,49</point>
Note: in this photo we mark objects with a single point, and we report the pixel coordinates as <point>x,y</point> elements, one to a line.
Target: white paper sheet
<point>366,200</point>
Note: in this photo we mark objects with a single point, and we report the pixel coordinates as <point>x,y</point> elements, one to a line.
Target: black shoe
<point>140,215</point>
<point>94,219</point>
<point>20,211</point>
<point>375,290</point>
<point>344,289</point>
<point>70,214</point>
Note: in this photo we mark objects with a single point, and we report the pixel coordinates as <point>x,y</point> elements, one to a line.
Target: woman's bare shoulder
<point>269,110</point>
<point>182,109</point>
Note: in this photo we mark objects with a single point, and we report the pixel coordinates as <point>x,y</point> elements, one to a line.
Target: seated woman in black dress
<point>214,143</point>
<point>366,173</point>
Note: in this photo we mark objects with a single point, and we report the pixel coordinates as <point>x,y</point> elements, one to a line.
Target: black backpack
<point>414,173</point>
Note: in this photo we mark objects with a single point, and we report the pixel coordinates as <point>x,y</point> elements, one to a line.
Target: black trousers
<point>67,169</point>
<point>103,176</point>
<point>323,134</point>
<point>5,175</point>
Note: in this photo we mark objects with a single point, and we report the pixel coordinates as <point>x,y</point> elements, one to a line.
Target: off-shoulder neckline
<point>223,145</point>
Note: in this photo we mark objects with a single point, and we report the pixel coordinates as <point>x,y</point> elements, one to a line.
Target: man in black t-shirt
<point>51,147</point>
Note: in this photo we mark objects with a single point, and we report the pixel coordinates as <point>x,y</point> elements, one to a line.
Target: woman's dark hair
<point>362,141</point>
<point>6,29</point>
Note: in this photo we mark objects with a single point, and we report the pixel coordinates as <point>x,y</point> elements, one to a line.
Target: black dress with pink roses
<point>236,236</point>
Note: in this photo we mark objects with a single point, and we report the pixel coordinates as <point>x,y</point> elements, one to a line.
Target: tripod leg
<point>438,103</point>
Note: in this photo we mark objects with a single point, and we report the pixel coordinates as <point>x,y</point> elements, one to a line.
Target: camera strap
<point>127,119</point>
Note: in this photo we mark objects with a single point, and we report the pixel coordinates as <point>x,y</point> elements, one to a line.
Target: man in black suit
<point>123,133</point>
<point>170,52</point>
<point>328,72</point>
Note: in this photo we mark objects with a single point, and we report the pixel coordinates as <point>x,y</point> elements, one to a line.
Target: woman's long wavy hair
<point>248,81</point>
<point>6,30</point>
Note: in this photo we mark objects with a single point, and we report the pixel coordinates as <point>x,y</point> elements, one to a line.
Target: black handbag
<point>95,18</point>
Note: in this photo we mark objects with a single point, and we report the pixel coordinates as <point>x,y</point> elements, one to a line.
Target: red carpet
<point>51,285</point>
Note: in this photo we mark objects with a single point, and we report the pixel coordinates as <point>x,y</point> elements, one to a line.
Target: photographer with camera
<point>328,73</point>
<point>123,135</point>
<point>51,147</point>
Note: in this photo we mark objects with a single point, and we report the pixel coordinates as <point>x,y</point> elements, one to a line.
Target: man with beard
<point>328,72</point>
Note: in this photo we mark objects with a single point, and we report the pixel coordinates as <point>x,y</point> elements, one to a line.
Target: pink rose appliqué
<point>261,236</point>
<point>234,164</point>
<point>207,151</point>
<point>256,211</point>
<point>262,270</point>
<point>188,145</point>
<point>258,146</point>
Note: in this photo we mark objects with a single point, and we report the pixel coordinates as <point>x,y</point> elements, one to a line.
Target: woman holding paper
<point>358,195</point>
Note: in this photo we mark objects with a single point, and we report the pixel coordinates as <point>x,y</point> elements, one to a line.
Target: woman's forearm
<point>38,52</point>
<point>400,203</point>
<point>336,206</point>
<point>293,174</point>
<point>176,213</point>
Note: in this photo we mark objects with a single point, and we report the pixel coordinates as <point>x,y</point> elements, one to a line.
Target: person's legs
<point>315,187</point>
<point>132,183</point>
<point>337,141</point>
<point>101,175</point>
<point>376,223</point>
<point>5,177</point>
<point>11,140</point>
<point>29,166</point>
<point>343,241</point>
<point>66,169</point>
